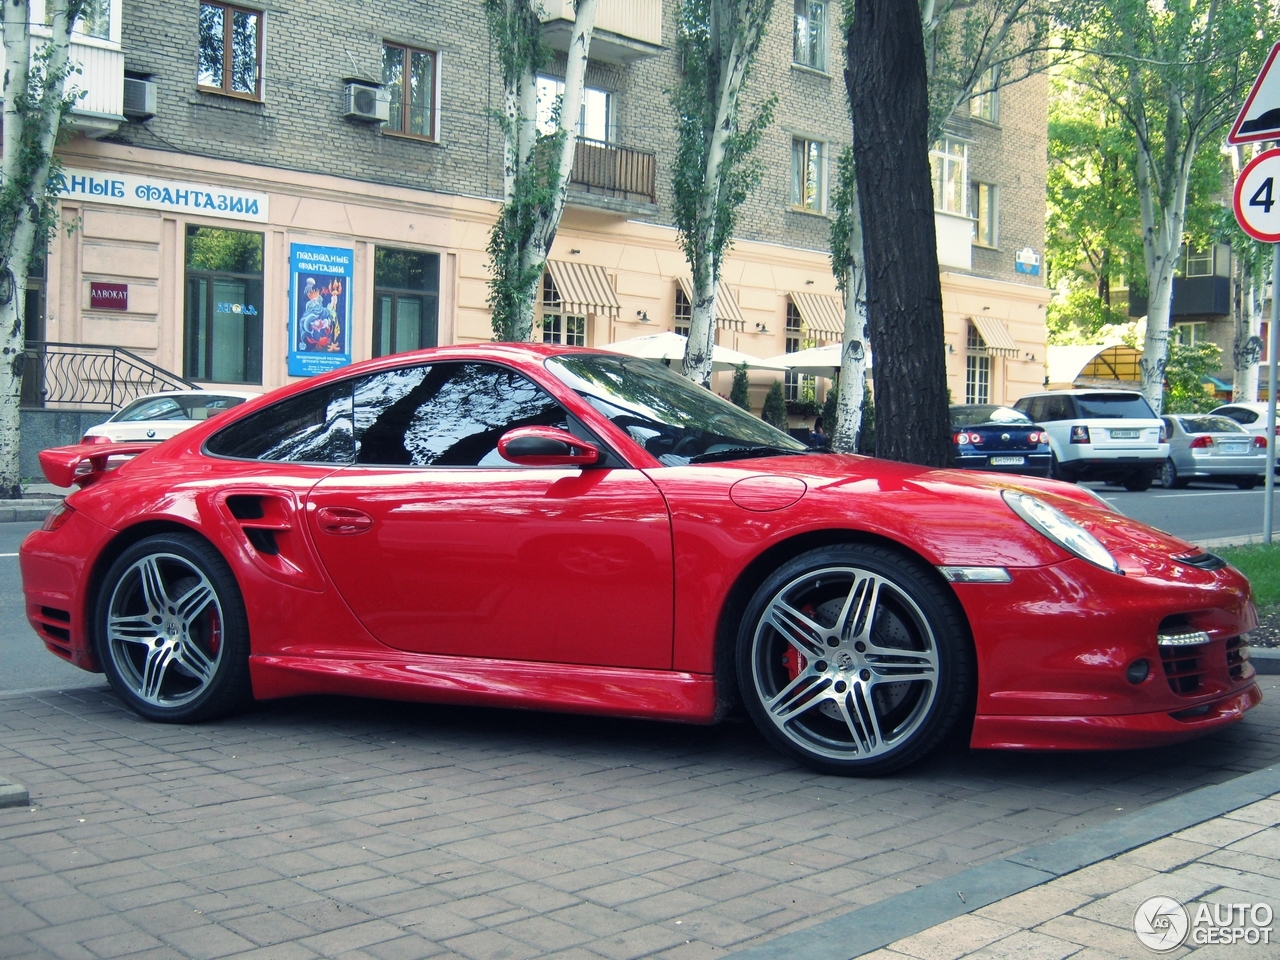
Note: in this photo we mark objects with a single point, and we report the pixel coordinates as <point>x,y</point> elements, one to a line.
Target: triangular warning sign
<point>1260,116</point>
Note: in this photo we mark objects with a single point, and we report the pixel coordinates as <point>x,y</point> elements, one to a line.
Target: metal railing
<point>612,171</point>
<point>90,376</point>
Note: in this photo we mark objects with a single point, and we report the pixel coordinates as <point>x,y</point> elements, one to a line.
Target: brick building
<point>249,137</point>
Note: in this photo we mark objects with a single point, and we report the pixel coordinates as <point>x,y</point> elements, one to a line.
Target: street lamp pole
<point>1273,354</point>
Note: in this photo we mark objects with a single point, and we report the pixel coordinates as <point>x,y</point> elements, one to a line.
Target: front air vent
<point>1204,561</point>
<point>1237,656</point>
<point>1182,668</point>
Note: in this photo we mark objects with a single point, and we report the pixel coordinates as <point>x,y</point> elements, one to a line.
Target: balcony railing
<point>612,171</point>
<point>625,30</point>
<point>90,376</point>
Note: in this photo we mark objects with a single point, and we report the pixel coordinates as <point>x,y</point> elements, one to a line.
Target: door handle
<point>343,521</point>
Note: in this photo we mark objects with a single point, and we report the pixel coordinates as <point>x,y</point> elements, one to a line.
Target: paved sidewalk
<point>1089,914</point>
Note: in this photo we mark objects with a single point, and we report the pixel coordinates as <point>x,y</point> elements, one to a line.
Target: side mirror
<point>546,447</point>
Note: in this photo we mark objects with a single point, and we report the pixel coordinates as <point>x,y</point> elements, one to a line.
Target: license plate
<point>1008,461</point>
<point>1235,448</point>
<point>1125,434</point>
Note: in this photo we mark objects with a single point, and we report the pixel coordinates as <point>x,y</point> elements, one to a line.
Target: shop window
<point>977,369</point>
<point>950,163</point>
<point>808,174</point>
<point>595,119</point>
<point>406,300</point>
<point>230,54</point>
<point>792,382</point>
<point>684,313</point>
<point>810,47</point>
<point>986,106</point>
<point>558,326</point>
<point>982,207</point>
<point>223,336</point>
<point>409,77</point>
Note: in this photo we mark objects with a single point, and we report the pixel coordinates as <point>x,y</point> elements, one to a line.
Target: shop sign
<point>1027,260</point>
<point>108,296</point>
<point>320,308</point>
<point>131,190</point>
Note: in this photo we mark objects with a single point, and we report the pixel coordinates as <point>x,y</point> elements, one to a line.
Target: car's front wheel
<point>855,660</point>
<point>171,630</point>
<point>1169,478</point>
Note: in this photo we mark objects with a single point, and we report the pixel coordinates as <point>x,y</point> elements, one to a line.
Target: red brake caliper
<point>793,659</point>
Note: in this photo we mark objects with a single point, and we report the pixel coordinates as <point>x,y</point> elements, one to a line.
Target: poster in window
<point>320,323</point>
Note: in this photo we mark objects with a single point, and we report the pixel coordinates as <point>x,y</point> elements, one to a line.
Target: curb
<point>13,794</point>
<point>877,925</point>
<point>1265,660</point>
<point>26,511</point>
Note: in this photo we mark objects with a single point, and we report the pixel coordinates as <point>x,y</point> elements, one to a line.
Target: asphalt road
<point>1202,511</point>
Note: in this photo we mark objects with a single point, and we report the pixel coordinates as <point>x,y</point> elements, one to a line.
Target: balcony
<point>625,31</point>
<point>613,178</point>
<point>1192,297</point>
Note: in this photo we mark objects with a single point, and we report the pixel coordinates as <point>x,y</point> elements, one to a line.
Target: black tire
<point>1169,478</point>
<point>1246,483</point>
<point>823,691</point>
<point>1056,471</point>
<point>1139,480</point>
<point>171,631</point>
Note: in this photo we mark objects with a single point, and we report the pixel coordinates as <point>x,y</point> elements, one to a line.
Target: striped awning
<point>995,336</point>
<point>728,313</point>
<point>823,316</point>
<point>584,288</point>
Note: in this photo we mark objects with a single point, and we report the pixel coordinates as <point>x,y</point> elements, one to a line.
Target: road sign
<point>1257,197</point>
<point>1260,116</point>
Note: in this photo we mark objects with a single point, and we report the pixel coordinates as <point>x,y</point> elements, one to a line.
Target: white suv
<point>1110,435</point>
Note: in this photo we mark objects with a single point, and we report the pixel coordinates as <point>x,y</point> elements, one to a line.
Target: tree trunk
<point>1248,347</point>
<point>853,355</point>
<point>888,92</point>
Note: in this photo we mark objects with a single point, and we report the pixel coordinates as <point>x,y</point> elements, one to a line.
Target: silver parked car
<point>1203,446</point>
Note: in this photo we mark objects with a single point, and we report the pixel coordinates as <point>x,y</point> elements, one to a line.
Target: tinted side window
<point>447,414</point>
<point>1056,408</point>
<point>312,427</point>
<point>1238,414</point>
<point>1115,406</point>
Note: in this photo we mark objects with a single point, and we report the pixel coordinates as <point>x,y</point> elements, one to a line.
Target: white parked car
<point>1110,435</point>
<point>159,416</point>
<point>1250,415</point>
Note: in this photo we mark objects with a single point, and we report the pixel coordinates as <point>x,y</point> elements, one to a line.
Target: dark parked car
<point>986,436</point>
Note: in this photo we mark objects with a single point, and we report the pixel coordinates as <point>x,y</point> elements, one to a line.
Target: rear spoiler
<point>86,463</point>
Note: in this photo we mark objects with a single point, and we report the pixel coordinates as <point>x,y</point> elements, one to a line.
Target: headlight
<point>1102,501</point>
<point>1061,529</point>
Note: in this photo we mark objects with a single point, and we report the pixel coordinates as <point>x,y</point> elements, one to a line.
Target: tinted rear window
<point>1114,406</point>
<point>312,427</point>
<point>970,416</point>
<point>1210,425</point>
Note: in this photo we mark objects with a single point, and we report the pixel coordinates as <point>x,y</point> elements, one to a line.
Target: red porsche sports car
<point>530,526</point>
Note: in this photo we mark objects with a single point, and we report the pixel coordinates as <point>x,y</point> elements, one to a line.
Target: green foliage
<point>867,435</point>
<point>1079,316</point>
<point>1261,564</point>
<point>739,393</point>
<point>705,54</point>
<point>831,409</point>
<point>1184,377</point>
<point>843,229</point>
<point>775,407</point>
<point>230,251</point>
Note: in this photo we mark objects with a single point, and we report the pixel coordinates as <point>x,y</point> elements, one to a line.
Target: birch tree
<point>35,102</point>
<point>1176,73</point>
<point>536,167</point>
<point>717,42</point>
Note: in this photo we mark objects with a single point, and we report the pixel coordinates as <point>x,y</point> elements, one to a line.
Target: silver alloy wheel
<point>164,630</point>
<point>845,663</point>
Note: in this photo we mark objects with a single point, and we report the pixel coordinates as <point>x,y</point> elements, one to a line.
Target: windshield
<point>1210,425</point>
<point>968,416</point>
<point>1114,406</point>
<point>198,407</point>
<point>673,419</point>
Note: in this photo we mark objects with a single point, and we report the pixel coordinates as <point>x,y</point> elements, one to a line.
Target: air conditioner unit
<point>139,99</point>
<point>366,101</point>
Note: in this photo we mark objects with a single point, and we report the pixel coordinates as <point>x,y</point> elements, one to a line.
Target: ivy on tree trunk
<point>35,102</point>
<point>536,167</point>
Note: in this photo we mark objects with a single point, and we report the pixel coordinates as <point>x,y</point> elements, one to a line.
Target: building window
<point>982,207</point>
<point>406,298</point>
<point>811,34</point>
<point>409,77</point>
<point>558,326</point>
<point>792,382</point>
<point>809,175</point>
<point>986,106</point>
<point>230,50</point>
<point>977,369</point>
<point>94,19</point>
<point>224,306</point>
<point>1197,263</point>
<point>684,313</point>
<point>950,163</point>
<point>595,119</point>
<point>1191,334</point>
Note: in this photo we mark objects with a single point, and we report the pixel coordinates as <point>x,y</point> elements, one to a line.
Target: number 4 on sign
<point>1256,204</point>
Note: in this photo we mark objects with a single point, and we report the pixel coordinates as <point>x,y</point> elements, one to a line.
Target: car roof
<point>1076,391</point>
<point>197,392</point>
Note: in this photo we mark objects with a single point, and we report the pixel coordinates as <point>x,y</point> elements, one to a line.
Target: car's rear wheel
<point>1169,478</point>
<point>1139,480</point>
<point>1247,483</point>
<point>171,630</point>
<point>855,660</point>
<point>1056,471</point>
